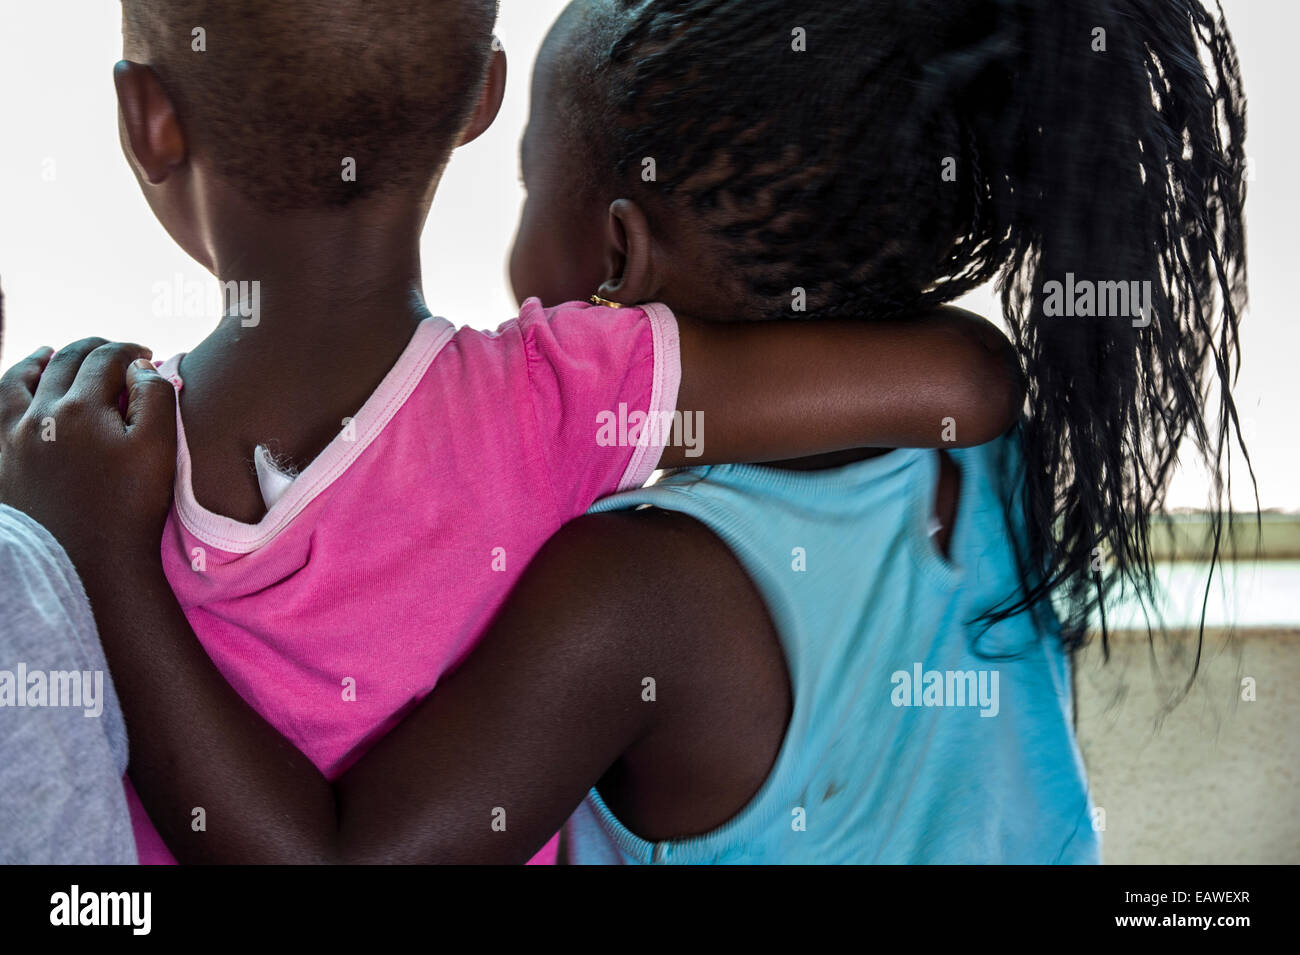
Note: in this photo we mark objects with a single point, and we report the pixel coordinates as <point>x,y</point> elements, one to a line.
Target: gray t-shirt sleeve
<point>63,749</point>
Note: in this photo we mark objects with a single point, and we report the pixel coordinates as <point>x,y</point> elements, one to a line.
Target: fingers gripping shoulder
<point>151,402</point>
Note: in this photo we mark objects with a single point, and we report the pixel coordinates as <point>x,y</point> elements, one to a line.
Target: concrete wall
<point>1215,779</point>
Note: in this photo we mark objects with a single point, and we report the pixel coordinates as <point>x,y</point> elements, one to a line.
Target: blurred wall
<point>1216,779</point>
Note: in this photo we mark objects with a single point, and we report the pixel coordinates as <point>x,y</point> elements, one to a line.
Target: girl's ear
<point>489,103</point>
<point>153,133</point>
<point>630,257</point>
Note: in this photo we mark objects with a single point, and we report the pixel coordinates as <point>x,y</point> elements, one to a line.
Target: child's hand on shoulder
<point>97,477</point>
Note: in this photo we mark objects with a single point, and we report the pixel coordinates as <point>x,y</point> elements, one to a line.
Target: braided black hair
<point>916,149</point>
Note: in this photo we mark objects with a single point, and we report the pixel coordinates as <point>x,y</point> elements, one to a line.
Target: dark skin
<point>550,703</point>
<point>310,363</point>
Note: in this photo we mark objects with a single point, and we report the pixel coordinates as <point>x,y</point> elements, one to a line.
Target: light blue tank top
<point>916,735</point>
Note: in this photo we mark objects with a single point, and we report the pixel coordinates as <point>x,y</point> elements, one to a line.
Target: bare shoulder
<point>673,590</point>
<point>651,559</point>
<point>719,676</point>
<point>679,592</point>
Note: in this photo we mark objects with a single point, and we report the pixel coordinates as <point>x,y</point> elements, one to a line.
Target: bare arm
<point>518,734</point>
<point>534,718</point>
<point>771,391</point>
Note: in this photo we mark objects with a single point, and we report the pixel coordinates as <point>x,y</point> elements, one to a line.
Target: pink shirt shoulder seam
<point>664,391</point>
<point>236,537</point>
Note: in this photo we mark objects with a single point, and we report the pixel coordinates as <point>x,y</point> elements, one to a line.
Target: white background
<point>81,254</point>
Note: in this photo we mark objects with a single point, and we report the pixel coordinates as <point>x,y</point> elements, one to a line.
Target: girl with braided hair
<point>851,658</point>
<point>887,156</point>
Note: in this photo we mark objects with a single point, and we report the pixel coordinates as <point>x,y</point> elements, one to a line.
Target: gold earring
<point>604,302</point>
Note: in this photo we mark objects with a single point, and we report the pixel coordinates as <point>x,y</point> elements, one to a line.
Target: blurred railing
<point>1186,536</point>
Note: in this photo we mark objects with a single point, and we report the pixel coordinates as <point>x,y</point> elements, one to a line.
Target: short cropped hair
<point>279,97</point>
